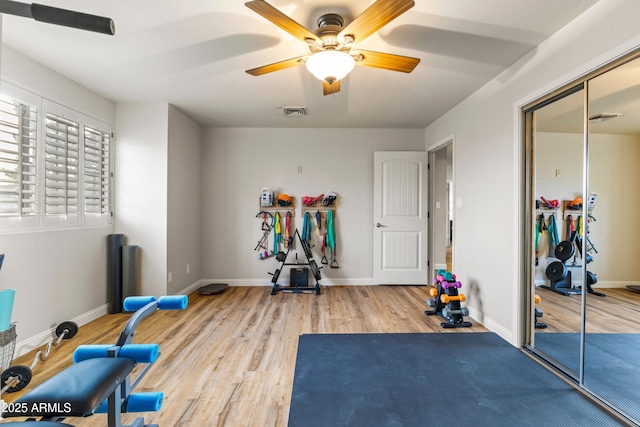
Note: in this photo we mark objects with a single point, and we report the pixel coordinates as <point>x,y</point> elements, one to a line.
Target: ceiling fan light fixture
<point>330,65</point>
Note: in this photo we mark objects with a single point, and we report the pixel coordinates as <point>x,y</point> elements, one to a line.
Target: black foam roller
<point>114,273</point>
<point>130,281</point>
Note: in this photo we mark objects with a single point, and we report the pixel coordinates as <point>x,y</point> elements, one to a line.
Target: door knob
<point>378,225</point>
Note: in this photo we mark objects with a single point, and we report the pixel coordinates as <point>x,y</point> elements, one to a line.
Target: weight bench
<point>100,379</point>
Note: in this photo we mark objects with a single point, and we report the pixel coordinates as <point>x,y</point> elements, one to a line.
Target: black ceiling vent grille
<point>294,111</point>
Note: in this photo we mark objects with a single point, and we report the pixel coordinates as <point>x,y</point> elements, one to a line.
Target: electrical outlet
<point>188,268</point>
<point>170,278</point>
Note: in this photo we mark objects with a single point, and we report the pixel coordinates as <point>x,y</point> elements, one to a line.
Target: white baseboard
<point>610,284</point>
<point>285,282</point>
<point>192,287</point>
<point>36,341</point>
<point>492,325</point>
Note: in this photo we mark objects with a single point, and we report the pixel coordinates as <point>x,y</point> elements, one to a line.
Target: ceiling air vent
<point>294,111</point>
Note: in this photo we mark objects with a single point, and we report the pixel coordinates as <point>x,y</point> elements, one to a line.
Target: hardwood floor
<point>229,359</point>
<point>618,312</point>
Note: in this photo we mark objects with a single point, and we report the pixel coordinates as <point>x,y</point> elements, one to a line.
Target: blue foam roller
<point>145,401</point>
<point>141,353</point>
<point>90,351</point>
<point>174,302</point>
<point>136,303</point>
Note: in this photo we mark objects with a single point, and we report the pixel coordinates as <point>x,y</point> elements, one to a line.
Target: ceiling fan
<point>55,15</point>
<point>331,57</point>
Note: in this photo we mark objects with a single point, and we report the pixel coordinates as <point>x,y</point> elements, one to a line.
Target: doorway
<point>582,163</point>
<point>441,207</point>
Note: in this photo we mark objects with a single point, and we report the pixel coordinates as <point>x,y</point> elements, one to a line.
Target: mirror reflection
<point>595,253</point>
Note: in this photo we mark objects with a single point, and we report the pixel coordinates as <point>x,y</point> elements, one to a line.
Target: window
<point>55,165</point>
<point>97,174</point>
<point>18,148</point>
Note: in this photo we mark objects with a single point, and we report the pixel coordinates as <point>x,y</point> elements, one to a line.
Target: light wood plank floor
<point>229,359</point>
<point>617,312</point>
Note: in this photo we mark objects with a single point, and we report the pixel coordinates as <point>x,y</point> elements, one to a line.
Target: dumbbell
<point>448,298</point>
<point>447,285</point>
<point>447,312</point>
<point>433,292</point>
<point>431,303</point>
<point>446,275</point>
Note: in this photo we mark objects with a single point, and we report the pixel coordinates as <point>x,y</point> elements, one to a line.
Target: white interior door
<point>400,218</point>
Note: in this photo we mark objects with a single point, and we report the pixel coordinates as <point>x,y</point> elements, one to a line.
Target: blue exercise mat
<point>435,379</point>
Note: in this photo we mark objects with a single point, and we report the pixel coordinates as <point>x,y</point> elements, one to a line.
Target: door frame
<point>431,150</point>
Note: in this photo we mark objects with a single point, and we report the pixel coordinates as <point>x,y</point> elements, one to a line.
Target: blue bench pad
<point>75,392</point>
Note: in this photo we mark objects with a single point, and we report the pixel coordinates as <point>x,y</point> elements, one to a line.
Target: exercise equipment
<point>213,288</point>
<point>446,301</point>
<point>266,229</point>
<point>17,377</point>
<point>297,283</point>
<point>100,380</point>
<point>538,314</point>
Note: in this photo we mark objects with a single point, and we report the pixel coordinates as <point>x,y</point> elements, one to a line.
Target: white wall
<point>58,275</point>
<point>614,174</point>
<point>487,156</point>
<point>239,162</point>
<point>141,181</point>
<point>184,201</point>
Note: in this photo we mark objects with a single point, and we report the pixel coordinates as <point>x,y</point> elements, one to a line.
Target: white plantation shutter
<point>61,165</point>
<point>18,132</point>
<point>55,165</point>
<point>97,172</point>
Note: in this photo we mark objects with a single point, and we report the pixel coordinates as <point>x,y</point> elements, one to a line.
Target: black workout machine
<point>559,273</point>
<point>99,381</point>
<point>446,301</point>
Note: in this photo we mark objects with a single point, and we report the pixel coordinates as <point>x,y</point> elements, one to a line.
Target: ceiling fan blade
<point>277,66</point>
<point>328,89</point>
<point>54,15</point>
<point>375,17</point>
<point>272,14</point>
<point>386,61</point>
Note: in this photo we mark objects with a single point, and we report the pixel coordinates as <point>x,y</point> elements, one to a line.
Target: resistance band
<point>277,233</point>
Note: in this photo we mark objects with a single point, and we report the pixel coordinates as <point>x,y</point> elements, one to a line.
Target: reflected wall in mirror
<point>612,340</point>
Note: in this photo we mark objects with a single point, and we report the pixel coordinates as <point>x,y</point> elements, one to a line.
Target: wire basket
<point>7,346</point>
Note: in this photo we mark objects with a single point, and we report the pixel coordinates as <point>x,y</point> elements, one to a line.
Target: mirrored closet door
<point>583,264</point>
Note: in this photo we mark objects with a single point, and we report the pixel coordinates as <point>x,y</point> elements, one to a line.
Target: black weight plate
<point>23,373</point>
<point>591,278</point>
<point>70,327</point>
<point>556,271</point>
<point>281,256</point>
<point>314,269</point>
<point>564,250</point>
<point>276,274</point>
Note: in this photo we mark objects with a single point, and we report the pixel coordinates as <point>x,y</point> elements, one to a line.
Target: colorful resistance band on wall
<point>277,233</point>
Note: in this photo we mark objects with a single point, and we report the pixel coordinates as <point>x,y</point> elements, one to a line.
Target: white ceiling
<point>616,91</point>
<point>193,54</point>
